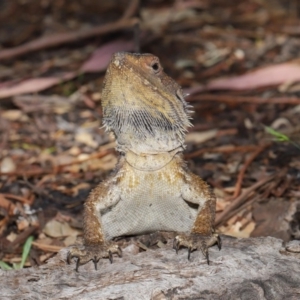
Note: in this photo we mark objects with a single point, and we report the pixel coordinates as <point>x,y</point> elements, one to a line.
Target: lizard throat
<point>142,133</point>
<point>150,162</point>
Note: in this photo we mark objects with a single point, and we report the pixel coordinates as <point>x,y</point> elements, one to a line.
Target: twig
<point>21,238</point>
<point>3,223</point>
<point>278,192</point>
<point>217,68</point>
<point>221,149</point>
<point>100,154</point>
<point>238,185</point>
<point>130,12</point>
<point>242,99</point>
<point>245,203</point>
<point>17,198</point>
<point>131,9</point>
<point>45,247</point>
<point>65,38</point>
<point>56,169</point>
<point>239,200</point>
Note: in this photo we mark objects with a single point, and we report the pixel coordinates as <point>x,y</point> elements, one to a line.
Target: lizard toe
<point>93,253</point>
<point>195,241</point>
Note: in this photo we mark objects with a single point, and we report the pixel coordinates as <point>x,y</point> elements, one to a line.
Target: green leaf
<point>278,135</point>
<point>49,150</point>
<point>4,266</point>
<point>26,250</point>
<point>16,266</point>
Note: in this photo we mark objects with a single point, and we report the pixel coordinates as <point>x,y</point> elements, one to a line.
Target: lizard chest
<point>150,201</point>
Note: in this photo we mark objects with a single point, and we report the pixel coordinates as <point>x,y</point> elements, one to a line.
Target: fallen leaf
<point>96,63</point>
<point>267,76</point>
<point>14,115</point>
<point>7,205</point>
<point>22,223</point>
<point>7,165</point>
<point>40,103</point>
<point>108,162</point>
<point>101,56</point>
<point>70,240</point>
<point>11,237</point>
<point>86,138</point>
<point>58,229</point>
<point>73,191</point>
<point>200,137</point>
<point>285,74</point>
<point>34,85</point>
<point>235,230</point>
<point>155,19</point>
<point>246,232</point>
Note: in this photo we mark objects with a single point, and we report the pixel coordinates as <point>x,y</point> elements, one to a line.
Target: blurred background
<point>238,65</point>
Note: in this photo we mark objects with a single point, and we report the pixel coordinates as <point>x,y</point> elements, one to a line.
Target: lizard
<point>151,188</point>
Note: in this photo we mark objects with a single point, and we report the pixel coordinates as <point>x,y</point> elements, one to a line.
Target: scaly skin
<point>151,188</point>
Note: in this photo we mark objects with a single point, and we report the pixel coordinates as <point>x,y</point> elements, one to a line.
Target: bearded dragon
<point>151,188</point>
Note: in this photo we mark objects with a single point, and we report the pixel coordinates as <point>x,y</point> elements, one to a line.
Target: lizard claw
<point>95,261</point>
<point>219,242</point>
<point>196,241</point>
<point>176,245</point>
<point>93,253</point>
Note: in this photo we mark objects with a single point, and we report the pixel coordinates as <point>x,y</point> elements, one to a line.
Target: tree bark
<point>254,268</point>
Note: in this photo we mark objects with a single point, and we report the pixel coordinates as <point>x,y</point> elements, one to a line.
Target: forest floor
<point>237,64</point>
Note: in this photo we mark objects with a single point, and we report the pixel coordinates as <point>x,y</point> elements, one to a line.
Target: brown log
<point>254,268</point>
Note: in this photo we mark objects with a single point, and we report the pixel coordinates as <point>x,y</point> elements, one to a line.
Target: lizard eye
<point>155,67</point>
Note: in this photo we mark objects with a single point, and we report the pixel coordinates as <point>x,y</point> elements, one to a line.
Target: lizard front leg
<point>104,196</point>
<point>202,235</point>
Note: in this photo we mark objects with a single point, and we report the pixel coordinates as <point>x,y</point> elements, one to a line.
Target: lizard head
<point>142,105</point>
